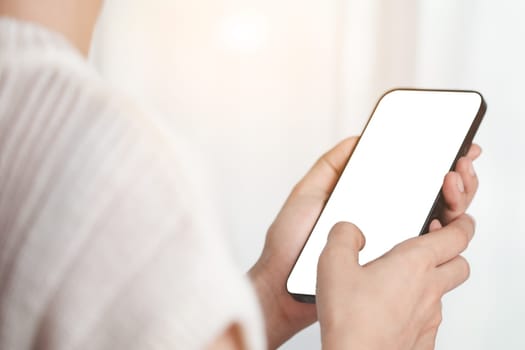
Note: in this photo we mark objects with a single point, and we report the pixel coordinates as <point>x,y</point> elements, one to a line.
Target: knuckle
<point>463,163</point>
<point>406,246</point>
<point>401,249</point>
<point>471,222</point>
<point>468,219</point>
<point>463,239</point>
<point>431,255</point>
<point>438,317</point>
<point>425,257</point>
<point>415,255</point>
<point>436,292</point>
<point>427,254</point>
<point>462,233</point>
<point>467,223</point>
<point>475,183</point>
<point>465,267</point>
<point>449,179</point>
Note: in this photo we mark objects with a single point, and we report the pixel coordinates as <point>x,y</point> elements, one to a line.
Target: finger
<point>435,225</point>
<point>454,196</point>
<point>459,188</point>
<point>323,176</point>
<point>474,152</point>
<point>454,192</point>
<point>338,261</point>
<point>465,168</point>
<point>448,242</point>
<point>452,274</point>
<point>345,240</point>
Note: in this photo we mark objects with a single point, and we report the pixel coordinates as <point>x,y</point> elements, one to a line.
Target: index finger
<point>474,152</point>
<point>449,241</point>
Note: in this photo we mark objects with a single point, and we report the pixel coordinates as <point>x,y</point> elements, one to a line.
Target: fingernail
<point>471,169</point>
<point>461,187</point>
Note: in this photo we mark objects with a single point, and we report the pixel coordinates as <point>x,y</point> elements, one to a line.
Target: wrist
<point>349,337</point>
<point>275,322</point>
<point>343,341</point>
<point>283,316</point>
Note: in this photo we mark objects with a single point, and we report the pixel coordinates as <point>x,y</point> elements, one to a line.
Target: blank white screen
<point>394,175</point>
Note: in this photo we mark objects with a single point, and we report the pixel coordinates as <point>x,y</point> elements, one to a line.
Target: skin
<point>377,286</point>
<point>75,19</point>
<point>286,236</point>
<point>407,284</point>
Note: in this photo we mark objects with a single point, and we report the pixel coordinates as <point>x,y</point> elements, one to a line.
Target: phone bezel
<point>438,201</point>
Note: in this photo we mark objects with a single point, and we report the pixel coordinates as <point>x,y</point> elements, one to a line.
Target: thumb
<point>339,257</point>
<point>345,241</point>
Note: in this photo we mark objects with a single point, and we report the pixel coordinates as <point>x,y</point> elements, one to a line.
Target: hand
<point>283,315</point>
<point>393,302</point>
<point>459,188</point>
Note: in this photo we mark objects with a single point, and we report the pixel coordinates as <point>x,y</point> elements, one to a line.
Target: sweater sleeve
<point>103,244</point>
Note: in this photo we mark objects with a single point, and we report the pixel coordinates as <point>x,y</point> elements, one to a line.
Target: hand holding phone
<point>390,187</point>
<point>285,238</point>
<point>394,302</point>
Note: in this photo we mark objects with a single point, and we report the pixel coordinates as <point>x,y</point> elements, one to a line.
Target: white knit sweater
<point>101,243</point>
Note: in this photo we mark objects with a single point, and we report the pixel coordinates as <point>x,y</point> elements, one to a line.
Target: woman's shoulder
<point>100,214</point>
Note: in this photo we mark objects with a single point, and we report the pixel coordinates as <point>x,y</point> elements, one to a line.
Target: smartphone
<point>391,186</point>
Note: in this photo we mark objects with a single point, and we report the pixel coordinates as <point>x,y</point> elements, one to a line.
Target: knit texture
<point>103,244</point>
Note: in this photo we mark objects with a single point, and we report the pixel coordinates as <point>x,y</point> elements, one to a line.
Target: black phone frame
<point>438,202</point>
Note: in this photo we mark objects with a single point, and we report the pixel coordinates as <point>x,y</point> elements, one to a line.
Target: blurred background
<point>259,89</point>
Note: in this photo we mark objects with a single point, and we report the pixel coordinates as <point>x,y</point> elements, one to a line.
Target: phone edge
<point>463,150</point>
<point>310,299</point>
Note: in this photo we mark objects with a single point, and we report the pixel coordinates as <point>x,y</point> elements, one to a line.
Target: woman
<point>101,247</point>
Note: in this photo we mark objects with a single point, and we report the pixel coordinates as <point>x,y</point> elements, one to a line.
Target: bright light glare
<point>244,31</point>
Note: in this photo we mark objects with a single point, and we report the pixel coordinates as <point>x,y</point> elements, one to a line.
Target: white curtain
<point>259,89</point>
